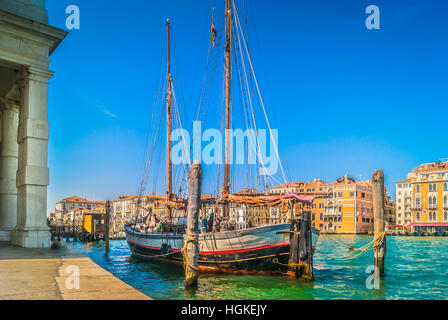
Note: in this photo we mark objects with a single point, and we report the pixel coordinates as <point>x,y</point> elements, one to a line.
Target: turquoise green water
<point>416,268</point>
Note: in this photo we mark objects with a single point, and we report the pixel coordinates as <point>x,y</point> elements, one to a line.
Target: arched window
<point>417,202</point>
<point>445,201</point>
<point>445,187</point>
<point>417,216</point>
<point>434,187</point>
<point>418,188</point>
<point>430,201</point>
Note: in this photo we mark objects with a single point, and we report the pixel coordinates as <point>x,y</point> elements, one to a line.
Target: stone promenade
<point>58,274</point>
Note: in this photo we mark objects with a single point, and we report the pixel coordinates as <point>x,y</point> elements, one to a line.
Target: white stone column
<point>9,151</point>
<point>32,175</point>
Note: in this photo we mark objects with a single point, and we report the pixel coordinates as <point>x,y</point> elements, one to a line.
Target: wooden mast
<point>228,119</point>
<point>169,169</point>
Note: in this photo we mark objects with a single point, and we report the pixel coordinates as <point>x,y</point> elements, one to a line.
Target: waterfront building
<point>349,207</point>
<point>248,216</point>
<point>76,202</point>
<point>26,44</point>
<point>291,187</point>
<point>428,184</point>
<point>389,209</point>
<point>404,200</point>
<point>345,206</point>
<point>125,208</point>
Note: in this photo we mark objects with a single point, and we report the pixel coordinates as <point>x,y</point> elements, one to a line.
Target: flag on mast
<point>213,34</point>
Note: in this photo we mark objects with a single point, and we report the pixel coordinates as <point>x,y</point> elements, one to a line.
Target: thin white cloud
<point>109,113</point>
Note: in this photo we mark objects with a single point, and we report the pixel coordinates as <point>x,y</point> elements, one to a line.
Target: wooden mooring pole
<point>379,222</point>
<point>106,236</point>
<point>191,248</point>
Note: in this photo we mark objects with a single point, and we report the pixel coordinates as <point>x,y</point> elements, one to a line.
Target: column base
<point>5,235</point>
<point>31,238</point>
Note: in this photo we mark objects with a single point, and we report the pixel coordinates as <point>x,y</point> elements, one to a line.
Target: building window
<point>445,187</point>
<point>433,201</point>
<point>432,216</point>
<point>418,188</point>
<point>417,216</point>
<point>445,216</point>
<point>445,201</point>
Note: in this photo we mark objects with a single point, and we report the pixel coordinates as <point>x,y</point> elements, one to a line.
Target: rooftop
<point>77,199</point>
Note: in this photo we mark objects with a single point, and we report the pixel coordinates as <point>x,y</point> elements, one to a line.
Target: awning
<point>429,224</point>
<point>396,226</point>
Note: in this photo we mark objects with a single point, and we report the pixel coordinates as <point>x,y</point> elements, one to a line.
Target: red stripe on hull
<point>244,250</point>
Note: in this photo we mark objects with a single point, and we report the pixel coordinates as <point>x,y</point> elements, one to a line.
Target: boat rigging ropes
<point>244,44</point>
<point>248,113</point>
<point>153,133</point>
<point>210,73</point>
<point>186,152</point>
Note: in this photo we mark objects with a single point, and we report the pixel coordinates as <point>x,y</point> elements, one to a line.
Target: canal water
<point>416,268</point>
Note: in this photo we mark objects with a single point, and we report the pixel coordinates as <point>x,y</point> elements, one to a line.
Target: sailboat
<point>251,250</point>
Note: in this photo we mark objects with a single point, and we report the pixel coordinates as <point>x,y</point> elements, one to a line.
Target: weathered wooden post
<point>379,222</point>
<point>294,244</point>
<point>106,236</point>
<point>306,248</point>
<point>191,248</point>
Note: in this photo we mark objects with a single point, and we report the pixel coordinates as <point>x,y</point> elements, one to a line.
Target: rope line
<point>375,243</point>
<point>194,240</point>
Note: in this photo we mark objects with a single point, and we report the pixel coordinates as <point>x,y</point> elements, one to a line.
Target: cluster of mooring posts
<point>300,263</point>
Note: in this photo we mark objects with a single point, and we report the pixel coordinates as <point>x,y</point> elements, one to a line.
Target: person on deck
<point>210,222</point>
<point>204,224</point>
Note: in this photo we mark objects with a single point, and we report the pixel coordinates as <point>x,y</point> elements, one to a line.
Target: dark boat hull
<point>263,250</point>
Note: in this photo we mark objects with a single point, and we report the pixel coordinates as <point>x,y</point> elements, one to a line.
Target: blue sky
<point>345,99</point>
